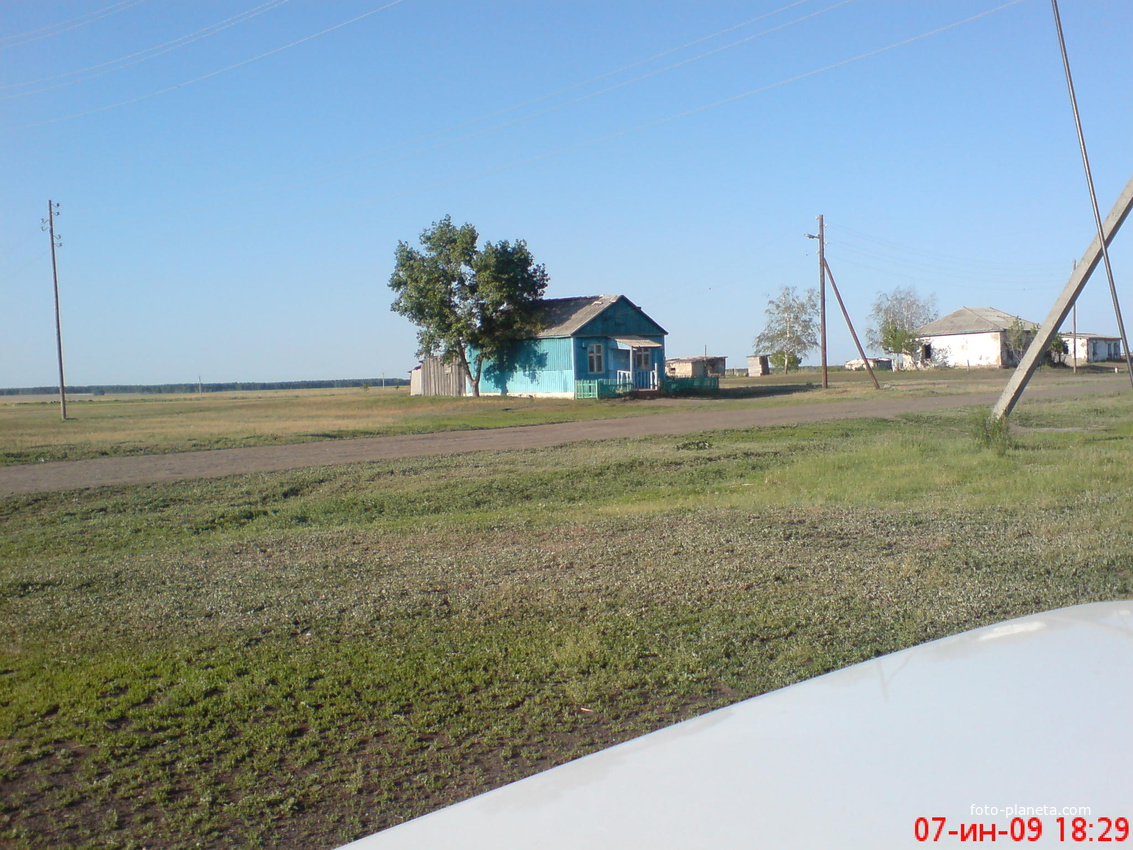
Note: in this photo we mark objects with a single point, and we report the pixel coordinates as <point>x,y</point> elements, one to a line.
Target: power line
<point>903,247</point>
<point>140,56</point>
<point>743,95</point>
<point>66,26</point>
<point>646,126</point>
<point>942,279</point>
<point>928,263</point>
<point>639,128</point>
<point>212,74</point>
<point>541,113</point>
<point>605,76</point>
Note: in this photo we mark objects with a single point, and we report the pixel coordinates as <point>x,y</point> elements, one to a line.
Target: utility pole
<point>1061,309</point>
<point>822,299</point>
<point>49,226</point>
<point>1074,328</point>
<point>1093,195</point>
<point>1097,252</point>
<point>821,237</point>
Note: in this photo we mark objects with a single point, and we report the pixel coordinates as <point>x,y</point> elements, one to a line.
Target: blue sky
<point>234,175</point>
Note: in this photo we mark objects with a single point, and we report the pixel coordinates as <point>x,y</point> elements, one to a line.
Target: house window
<point>642,360</point>
<point>594,359</point>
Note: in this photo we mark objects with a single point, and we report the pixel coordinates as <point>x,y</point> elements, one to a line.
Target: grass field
<point>31,430</point>
<point>300,658</point>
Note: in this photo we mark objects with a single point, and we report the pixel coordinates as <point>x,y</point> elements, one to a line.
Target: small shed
<point>758,365</point>
<point>432,376</point>
<point>696,367</point>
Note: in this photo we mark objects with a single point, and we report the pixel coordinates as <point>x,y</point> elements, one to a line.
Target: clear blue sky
<point>234,175</point>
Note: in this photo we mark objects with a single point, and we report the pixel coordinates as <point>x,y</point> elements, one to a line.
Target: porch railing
<point>626,383</point>
<point>644,380</point>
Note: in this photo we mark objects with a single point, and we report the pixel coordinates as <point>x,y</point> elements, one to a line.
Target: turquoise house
<point>589,347</point>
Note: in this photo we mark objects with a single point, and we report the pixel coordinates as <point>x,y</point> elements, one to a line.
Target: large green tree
<point>470,304</point>
<point>895,319</point>
<point>791,330</point>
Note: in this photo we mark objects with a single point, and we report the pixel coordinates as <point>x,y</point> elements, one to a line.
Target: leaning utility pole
<point>49,225</point>
<point>850,325</point>
<point>1104,242</point>
<point>1082,271</point>
<point>1097,252</point>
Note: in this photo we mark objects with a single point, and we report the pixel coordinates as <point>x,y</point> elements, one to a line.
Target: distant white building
<point>857,364</point>
<point>696,367</point>
<point>1091,348</point>
<point>969,338</point>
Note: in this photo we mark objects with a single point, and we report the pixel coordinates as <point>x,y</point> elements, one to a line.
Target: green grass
<point>299,658</point>
<point>31,432</point>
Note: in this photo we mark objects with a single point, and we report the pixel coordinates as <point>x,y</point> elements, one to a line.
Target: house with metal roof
<point>974,337</point>
<point>591,347</point>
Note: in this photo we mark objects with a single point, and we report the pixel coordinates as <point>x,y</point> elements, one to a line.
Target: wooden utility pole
<point>822,299</point>
<point>1074,329</point>
<point>1075,337</point>
<point>49,225</point>
<point>821,237</point>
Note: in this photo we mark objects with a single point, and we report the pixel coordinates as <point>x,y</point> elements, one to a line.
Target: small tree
<point>1059,349</point>
<point>791,330</point>
<point>471,305</point>
<point>1018,337</point>
<point>895,318</point>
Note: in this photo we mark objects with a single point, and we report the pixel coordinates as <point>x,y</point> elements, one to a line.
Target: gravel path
<point>145,469</point>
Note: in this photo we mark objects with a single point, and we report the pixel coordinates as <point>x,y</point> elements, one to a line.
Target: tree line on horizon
<point>231,386</point>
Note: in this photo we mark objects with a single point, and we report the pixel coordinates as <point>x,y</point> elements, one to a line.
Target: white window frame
<point>596,354</point>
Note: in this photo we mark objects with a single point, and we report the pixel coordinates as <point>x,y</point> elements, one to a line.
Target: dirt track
<point>145,469</point>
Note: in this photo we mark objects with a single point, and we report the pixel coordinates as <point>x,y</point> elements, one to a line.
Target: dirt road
<point>144,469</point>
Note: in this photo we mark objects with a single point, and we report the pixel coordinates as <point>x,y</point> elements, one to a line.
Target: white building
<point>973,338</point>
<point>1091,348</point>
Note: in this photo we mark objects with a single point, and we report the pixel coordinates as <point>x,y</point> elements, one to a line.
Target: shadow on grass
<point>761,391</point>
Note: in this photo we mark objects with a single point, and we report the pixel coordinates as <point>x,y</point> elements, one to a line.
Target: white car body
<point>934,745</point>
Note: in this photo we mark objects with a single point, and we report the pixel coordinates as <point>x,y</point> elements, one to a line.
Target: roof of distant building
<point>970,320</point>
<point>567,316</point>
